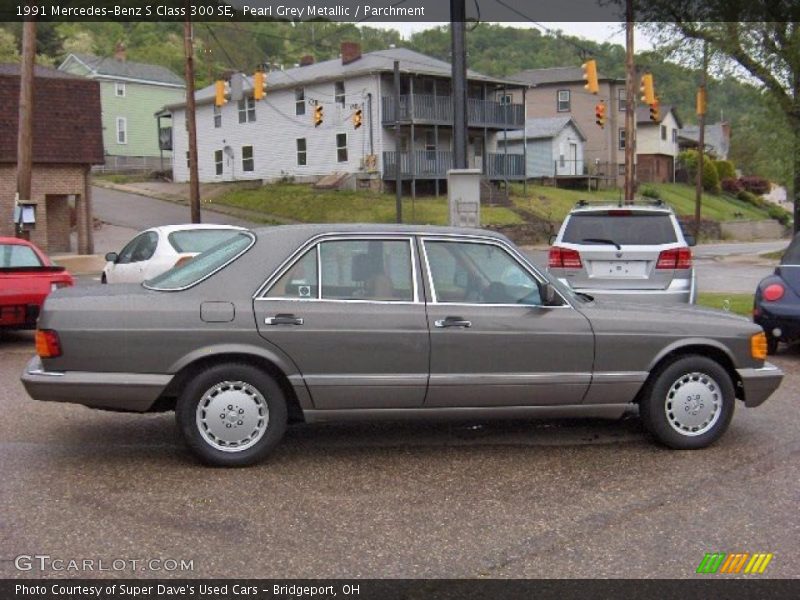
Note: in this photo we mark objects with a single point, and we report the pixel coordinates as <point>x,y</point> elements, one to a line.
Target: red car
<point>27,276</point>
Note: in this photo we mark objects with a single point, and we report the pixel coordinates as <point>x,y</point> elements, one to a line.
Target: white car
<point>158,249</point>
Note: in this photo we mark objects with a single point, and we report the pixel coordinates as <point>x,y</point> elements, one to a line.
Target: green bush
<point>648,191</point>
<point>779,214</point>
<point>688,159</point>
<point>750,198</point>
<point>725,169</point>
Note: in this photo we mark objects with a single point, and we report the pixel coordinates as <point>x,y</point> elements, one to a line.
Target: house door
<point>475,152</point>
<point>573,158</point>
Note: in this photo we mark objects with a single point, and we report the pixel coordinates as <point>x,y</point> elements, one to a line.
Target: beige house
<point>560,92</point>
<point>656,145</point>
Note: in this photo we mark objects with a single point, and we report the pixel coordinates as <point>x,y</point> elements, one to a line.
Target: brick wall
<point>63,180</point>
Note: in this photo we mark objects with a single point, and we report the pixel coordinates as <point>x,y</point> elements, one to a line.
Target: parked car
<point>777,300</point>
<point>631,252</point>
<point>158,249</point>
<point>27,276</point>
<point>316,323</point>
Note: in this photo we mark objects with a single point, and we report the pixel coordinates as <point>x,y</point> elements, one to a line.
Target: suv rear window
<point>792,254</point>
<point>626,229</point>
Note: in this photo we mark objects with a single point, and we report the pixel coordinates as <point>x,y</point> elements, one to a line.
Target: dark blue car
<point>777,301</point>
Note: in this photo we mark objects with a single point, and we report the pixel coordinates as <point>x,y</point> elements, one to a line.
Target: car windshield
<point>203,265</point>
<point>629,228</point>
<point>198,240</point>
<point>792,254</point>
<point>16,256</point>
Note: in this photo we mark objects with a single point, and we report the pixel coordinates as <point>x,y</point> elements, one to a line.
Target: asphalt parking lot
<point>517,499</point>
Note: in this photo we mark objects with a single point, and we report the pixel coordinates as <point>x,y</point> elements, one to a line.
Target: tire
<point>231,415</point>
<point>103,279</point>
<point>772,345</point>
<point>698,415</point>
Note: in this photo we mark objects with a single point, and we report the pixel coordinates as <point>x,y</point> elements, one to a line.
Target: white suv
<point>624,252</point>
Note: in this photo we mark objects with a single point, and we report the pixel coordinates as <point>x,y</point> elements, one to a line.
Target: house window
<point>430,145</point>
<point>674,136</point>
<point>299,101</point>
<point>302,154</point>
<point>621,169</point>
<point>188,162</point>
<point>247,159</point>
<point>339,92</point>
<point>217,116</point>
<point>122,130</point>
<point>563,101</point>
<point>621,99</point>
<point>218,162</point>
<point>663,132</point>
<point>119,90</point>
<point>621,138</point>
<point>341,147</point>
<point>247,110</point>
<point>505,99</point>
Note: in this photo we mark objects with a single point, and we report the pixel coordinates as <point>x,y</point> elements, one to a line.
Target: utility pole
<point>701,141</point>
<point>191,123</point>
<point>458,34</point>
<point>25,126</point>
<point>398,171</point>
<point>630,104</point>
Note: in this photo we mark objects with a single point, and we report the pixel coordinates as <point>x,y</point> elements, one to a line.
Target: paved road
<point>501,499</point>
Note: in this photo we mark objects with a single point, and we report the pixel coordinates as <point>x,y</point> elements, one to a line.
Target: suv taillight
<point>47,343</point>
<point>677,258</point>
<point>564,258</point>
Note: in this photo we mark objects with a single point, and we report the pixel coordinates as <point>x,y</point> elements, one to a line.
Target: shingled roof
<point>555,75</point>
<point>128,70</point>
<point>66,117</point>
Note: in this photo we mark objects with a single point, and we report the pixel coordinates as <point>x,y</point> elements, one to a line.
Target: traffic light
<point>701,101</point>
<point>357,118</point>
<point>655,110</point>
<point>221,87</point>
<point>318,116</point>
<point>590,75</point>
<point>647,89</point>
<point>259,85</point>
<point>600,114</point>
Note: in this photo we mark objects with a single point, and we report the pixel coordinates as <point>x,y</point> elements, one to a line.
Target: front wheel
<point>232,415</point>
<point>689,403</point>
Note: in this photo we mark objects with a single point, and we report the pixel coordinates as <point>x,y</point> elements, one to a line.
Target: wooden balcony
<point>434,164</point>
<point>427,109</point>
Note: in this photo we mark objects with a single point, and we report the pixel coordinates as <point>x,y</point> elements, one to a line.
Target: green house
<point>130,94</point>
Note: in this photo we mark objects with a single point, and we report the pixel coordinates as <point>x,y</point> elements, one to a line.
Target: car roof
<point>167,229</point>
<point>645,208</point>
<point>313,230</point>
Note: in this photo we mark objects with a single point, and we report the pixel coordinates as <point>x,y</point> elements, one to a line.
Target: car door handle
<point>452,322</point>
<point>283,319</point>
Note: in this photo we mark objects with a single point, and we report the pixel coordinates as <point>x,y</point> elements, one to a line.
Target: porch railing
<point>427,108</point>
<point>434,164</point>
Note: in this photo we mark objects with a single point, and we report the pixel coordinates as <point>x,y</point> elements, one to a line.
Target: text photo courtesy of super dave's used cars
<point>310,323</point>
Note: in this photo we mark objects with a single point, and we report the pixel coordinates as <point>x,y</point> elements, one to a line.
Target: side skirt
<point>597,411</point>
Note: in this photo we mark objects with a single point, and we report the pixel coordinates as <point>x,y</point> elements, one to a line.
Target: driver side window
<point>140,248</point>
<point>479,273</point>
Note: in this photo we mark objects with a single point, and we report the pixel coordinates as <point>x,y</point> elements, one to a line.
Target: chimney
<point>119,52</point>
<point>306,60</point>
<point>351,52</point>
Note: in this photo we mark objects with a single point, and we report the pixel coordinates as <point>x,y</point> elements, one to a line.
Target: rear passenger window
<point>366,270</point>
<point>300,281</point>
<point>624,229</point>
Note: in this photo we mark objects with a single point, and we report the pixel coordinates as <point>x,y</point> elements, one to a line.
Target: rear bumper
<point>680,291</point>
<point>759,384</point>
<point>789,326</point>
<point>132,392</point>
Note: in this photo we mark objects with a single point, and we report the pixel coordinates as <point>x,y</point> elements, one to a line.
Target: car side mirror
<point>548,295</point>
<point>690,239</point>
<point>112,257</point>
<point>552,239</point>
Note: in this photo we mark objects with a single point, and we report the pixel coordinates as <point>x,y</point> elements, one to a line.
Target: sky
<point>598,32</point>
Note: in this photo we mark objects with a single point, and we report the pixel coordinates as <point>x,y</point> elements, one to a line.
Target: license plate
<point>619,268</point>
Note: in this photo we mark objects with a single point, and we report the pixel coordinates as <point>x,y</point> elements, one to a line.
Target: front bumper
<point>132,392</point>
<point>758,384</point>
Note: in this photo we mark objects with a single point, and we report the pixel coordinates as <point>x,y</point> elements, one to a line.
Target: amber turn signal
<point>758,346</point>
<point>47,343</point>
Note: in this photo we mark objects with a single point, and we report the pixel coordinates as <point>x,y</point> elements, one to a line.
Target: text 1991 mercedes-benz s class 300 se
<point>312,322</point>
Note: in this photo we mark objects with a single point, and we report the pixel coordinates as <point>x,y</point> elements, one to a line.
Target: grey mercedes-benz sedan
<point>321,322</point>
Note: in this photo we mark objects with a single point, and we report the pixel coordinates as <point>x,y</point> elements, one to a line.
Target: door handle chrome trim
<point>452,322</point>
<point>283,320</point>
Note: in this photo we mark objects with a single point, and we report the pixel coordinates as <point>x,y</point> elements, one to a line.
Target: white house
<point>555,146</point>
<point>277,137</point>
<point>656,144</point>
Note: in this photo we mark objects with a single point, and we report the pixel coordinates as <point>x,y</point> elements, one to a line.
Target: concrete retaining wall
<point>751,230</point>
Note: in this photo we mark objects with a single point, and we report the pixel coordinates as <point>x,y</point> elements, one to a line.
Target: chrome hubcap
<point>693,404</point>
<point>232,416</point>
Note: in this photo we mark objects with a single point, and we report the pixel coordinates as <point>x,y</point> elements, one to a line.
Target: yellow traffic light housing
<point>701,101</point>
<point>600,114</point>
<point>259,85</point>
<point>655,111</point>
<point>220,89</point>
<point>590,75</point>
<point>648,89</point>
<point>318,116</point>
<point>357,118</point>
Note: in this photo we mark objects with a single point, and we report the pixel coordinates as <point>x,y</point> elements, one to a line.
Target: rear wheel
<point>689,403</point>
<point>232,415</point>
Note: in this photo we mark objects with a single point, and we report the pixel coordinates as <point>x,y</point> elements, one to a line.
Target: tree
<point>765,51</point>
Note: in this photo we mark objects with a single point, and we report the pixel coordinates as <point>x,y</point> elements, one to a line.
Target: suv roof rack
<point>621,203</point>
